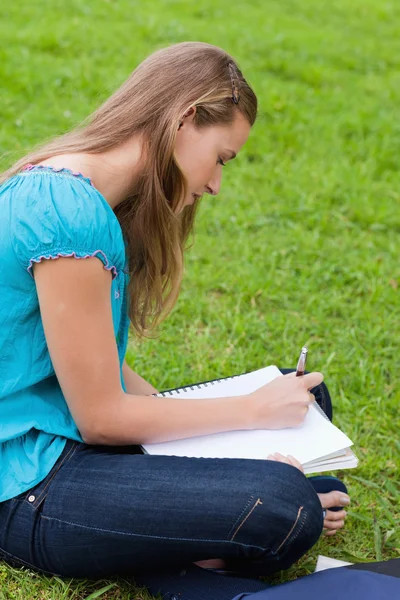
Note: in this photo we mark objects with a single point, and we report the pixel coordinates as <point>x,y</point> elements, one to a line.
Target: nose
<point>214,185</point>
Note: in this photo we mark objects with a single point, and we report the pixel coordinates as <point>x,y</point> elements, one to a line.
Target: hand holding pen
<point>301,367</point>
<point>283,402</point>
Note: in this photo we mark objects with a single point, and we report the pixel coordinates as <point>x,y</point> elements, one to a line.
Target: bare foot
<point>334,520</point>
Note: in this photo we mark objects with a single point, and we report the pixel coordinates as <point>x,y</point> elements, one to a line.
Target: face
<point>203,153</point>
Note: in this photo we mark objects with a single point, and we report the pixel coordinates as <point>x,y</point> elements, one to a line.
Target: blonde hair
<point>151,103</point>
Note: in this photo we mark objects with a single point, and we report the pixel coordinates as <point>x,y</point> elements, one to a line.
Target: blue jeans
<point>104,510</point>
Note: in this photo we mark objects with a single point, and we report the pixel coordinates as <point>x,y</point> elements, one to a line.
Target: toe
<point>334,499</point>
<point>340,515</point>
<point>330,533</point>
<point>333,524</point>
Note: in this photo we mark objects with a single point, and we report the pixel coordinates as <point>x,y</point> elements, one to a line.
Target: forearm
<point>132,419</point>
<point>135,384</point>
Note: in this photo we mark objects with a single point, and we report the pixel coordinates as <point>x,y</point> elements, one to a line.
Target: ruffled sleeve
<point>55,215</point>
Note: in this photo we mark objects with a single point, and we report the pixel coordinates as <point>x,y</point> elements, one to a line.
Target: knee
<point>281,521</point>
<point>301,512</point>
<point>288,509</point>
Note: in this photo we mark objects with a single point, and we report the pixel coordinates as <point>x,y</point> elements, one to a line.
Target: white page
<point>325,562</point>
<point>348,461</point>
<point>329,457</point>
<point>315,438</point>
<point>347,457</point>
<point>336,466</point>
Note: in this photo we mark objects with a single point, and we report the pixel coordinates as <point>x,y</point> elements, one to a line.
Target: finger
<point>290,375</point>
<point>311,380</point>
<point>276,457</point>
<point>289,460</point>
<point>280,458</point>
<point>330,533</point>
<point>295,463</point>
<point>311,398</point>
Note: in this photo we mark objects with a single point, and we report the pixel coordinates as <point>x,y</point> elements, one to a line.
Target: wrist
<point>243,412</point>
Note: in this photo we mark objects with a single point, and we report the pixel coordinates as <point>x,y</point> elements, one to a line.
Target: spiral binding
<point>195,386</point>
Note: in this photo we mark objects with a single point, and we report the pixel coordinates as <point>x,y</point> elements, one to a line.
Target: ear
<point>188,117</point>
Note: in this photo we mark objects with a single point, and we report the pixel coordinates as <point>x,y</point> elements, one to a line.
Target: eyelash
<point>221,162</point>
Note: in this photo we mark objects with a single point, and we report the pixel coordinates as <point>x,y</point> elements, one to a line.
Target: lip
<point>196,196</point>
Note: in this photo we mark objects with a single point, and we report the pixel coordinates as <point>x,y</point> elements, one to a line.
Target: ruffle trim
<point>106,266</point>
<point>31,167</point>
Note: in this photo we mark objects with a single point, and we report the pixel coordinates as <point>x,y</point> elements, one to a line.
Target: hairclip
<point>234,81</point>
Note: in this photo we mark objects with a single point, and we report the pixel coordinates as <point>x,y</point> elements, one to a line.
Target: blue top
<point>45,213</point>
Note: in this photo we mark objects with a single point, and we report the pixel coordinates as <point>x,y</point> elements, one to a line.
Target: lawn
<point>302,244</point>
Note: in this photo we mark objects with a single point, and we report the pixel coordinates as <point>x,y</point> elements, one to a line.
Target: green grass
<point>302,244</point>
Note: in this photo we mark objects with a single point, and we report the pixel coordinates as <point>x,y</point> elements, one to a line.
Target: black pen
<point>301,365</point>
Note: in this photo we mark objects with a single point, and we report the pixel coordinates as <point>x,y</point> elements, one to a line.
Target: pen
<point>301,365</point>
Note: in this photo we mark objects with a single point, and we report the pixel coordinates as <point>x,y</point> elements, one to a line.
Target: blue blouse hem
<point>49,465</point>
<point>54,254</point>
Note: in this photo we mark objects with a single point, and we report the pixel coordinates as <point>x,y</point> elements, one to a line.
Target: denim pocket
<point>37,495</point>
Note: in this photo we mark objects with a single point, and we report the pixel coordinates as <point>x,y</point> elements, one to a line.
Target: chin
<point>189,201</point>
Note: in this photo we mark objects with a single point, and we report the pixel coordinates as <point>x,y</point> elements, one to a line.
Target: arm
<point>75,305</point>
<point>134,383</point>
<point>74,297</point>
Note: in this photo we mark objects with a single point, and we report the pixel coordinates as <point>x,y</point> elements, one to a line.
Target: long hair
<point>151,104</point>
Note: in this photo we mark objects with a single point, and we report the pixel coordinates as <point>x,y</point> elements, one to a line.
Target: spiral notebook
<point>316,443</point>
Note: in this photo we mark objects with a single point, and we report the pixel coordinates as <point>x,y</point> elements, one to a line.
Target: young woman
<point>91,239</point>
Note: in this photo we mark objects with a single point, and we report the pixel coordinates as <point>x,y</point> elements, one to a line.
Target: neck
<point>113,172</point>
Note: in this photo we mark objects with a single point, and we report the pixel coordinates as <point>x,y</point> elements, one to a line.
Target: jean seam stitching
<point>291,529</point>
<point>257,503</point>
<point>246,507</point>
<point>300,528</point>
<point>44,491</point>
<point>145,536</point>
